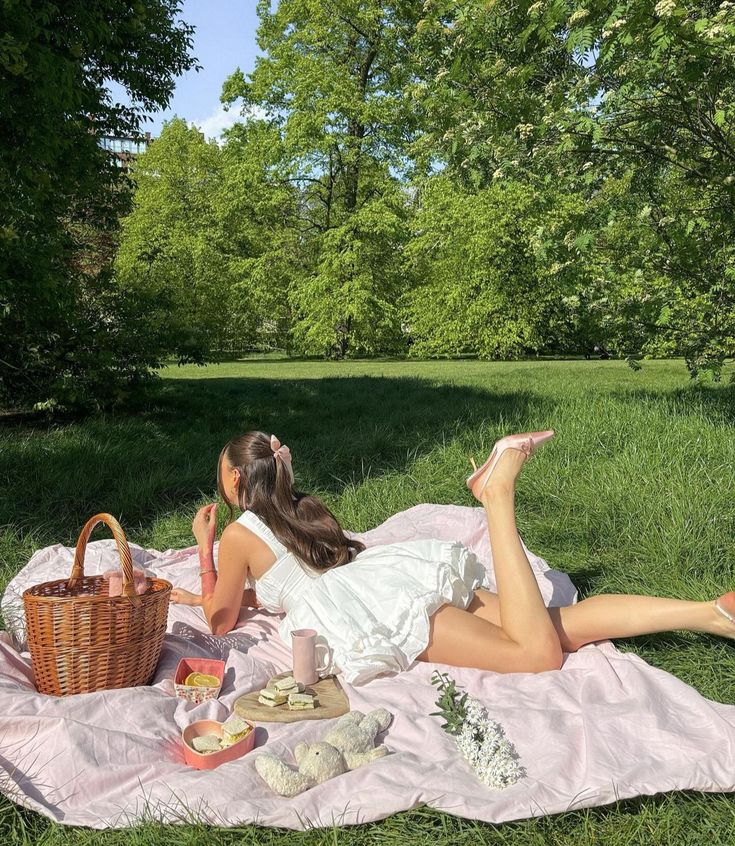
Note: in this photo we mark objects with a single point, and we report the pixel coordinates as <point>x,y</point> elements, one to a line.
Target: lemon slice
<point>201,680</point>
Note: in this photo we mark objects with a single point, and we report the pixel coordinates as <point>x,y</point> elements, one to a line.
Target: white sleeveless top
<point>281,586</point>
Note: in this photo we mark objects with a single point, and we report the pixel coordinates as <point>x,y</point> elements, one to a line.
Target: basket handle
<point>126,559</point>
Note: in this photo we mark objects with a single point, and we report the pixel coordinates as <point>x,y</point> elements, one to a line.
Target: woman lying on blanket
<point>383,607</point>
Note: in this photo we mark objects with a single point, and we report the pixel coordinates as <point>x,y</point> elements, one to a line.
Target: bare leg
<point>461,639</point>
<point>522,613</point>
<point>512,631</point>
<point>522,636</point>
<point>517,607</point>
<point>616,615</point>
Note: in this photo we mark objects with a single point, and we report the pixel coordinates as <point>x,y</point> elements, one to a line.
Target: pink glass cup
<point>304,647</point>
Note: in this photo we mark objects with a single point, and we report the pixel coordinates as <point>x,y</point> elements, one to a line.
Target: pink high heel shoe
<point>728,615</point>
<point>527,442</point>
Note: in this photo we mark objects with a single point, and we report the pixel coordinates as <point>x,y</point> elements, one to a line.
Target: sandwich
<point>206,743</point>
<point>287,685</point>
<point>301,701</point>
<point>234,729</point>
<point>272,697</point>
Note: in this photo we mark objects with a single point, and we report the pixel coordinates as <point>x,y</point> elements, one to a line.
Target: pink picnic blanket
<point>606,726</point>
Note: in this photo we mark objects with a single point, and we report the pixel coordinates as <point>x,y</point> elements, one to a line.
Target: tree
<point>61,194</point>
<point>208,236</point>
<point>491,274</point>
<point>330,82</point>
<point>548,90</point>
<point>358,280</point>
<point>257,212</point>
<point>170,246</point>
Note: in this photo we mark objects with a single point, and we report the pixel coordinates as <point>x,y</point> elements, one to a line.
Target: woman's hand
<point>204,526</point>
<point>179,596</point>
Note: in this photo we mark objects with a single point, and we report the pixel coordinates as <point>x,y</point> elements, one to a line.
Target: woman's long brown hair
<point>303,524</point>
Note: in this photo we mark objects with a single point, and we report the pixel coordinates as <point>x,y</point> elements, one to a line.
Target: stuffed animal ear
<point>377,720</point>
<point>280,778</point>
<point>382,716</point>
<point>350,717</point>
<point>300,751</point>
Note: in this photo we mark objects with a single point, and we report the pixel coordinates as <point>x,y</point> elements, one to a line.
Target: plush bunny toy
<point>346,747</point>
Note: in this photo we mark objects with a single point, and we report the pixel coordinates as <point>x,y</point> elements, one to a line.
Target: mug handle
<point>328,656</point>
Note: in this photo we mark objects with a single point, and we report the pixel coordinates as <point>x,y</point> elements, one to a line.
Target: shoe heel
<point>728,615</point>
<point>478,471</point>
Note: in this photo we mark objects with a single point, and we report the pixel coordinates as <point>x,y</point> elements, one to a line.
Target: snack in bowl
<point>206,746</point>
<point>199,679</point>
<point>234,730</point>
<point>206,743</point>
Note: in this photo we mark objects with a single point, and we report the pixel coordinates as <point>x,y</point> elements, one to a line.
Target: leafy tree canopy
<point>553,90</point>
<point>208,236</point>
<point>60,190</point>
<point>330,82</point>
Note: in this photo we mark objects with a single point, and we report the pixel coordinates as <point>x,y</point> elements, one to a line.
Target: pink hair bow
<point>282,452</point>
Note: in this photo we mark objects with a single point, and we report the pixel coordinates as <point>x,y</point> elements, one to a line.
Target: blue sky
<point>224,39</point>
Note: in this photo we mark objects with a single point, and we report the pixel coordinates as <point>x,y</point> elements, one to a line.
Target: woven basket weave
<point>81,639</point>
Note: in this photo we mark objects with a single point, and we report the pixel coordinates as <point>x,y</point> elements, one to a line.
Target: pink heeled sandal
<point>527,442</point>
<point>730,597</point>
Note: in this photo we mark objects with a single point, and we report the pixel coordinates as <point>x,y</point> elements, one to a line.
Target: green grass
<point>635,494</point>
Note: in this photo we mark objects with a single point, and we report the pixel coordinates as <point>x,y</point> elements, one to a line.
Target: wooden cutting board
<point>333,702</point>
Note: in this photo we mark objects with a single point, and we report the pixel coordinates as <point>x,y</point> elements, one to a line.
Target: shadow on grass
<point>160,457</point>
<point>716,402</point>
<point>585,580</point>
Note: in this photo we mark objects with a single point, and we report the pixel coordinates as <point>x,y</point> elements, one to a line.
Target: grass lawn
<point>635,494</point>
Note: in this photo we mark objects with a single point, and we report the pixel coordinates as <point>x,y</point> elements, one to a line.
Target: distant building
<point>124,150</point>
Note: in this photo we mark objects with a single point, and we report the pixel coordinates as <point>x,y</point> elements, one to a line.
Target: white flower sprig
<point>481,740</point>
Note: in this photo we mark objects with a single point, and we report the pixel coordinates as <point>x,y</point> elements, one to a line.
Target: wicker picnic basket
<point>81,639</point>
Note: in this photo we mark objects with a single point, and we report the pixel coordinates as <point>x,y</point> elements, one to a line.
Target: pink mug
<point>305,646</point>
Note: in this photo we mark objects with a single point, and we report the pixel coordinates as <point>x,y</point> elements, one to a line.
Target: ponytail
<point>301,522</point>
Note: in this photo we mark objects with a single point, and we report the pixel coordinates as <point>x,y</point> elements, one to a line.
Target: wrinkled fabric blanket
<point>607,726</point>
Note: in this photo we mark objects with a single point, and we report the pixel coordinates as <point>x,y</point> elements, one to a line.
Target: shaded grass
<point>635,494</point>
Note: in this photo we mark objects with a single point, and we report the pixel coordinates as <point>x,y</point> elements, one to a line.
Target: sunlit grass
<point>635,494</point>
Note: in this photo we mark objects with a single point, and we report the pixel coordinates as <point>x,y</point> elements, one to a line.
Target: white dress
<point>374,611</point>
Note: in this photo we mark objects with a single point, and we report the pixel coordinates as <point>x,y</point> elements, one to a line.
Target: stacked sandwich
<point>279,691</point>
<point>233,730</point>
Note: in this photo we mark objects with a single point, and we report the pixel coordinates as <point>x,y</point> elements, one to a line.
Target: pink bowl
<point>211,760</point>
<point>194,693</point>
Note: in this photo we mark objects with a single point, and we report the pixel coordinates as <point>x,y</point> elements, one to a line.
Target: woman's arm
<point>222,593</point>
<point>180,596</point>
<point>219,589</point>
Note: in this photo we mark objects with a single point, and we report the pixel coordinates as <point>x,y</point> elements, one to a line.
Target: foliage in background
<point>212,233</point>
<point>636,89</point>
<point>257,212</point>
<point>466,177</point>
<point>439,177</point>
<point>169,247</point>
<point>330,83</point>
<point>64,327</point>
<point>490,271</point>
